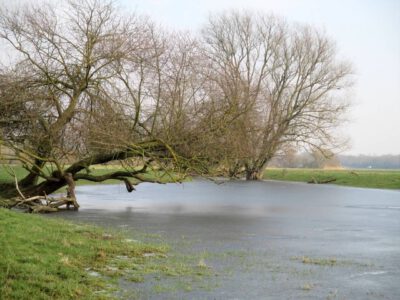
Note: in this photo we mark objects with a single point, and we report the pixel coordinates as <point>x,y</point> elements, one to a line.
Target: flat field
<point>380,179</point>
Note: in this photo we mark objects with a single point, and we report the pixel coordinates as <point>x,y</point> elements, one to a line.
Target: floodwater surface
<point>263,240</point>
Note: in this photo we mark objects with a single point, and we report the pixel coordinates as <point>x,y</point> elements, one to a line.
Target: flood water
<point>264,240</point>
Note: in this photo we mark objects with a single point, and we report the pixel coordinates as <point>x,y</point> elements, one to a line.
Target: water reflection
<point>234,198</point>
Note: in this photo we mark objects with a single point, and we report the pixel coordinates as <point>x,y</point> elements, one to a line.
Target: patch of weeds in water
<point>177,272</point>
<point>307,287</point>
<point>184,243</point>
<point>316,261</point>
<point>180,273</point>
<point>173,287</point>
<point>293,272</point>
<point>143,237</point>
<point>330,262</point>
<point>136,278</point>
<point>152,235</point>
<point>202,264</point>
<point>332,295</point>
<point>319,261</point>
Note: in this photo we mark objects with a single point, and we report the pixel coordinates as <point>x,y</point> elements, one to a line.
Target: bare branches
<point>283,82</point>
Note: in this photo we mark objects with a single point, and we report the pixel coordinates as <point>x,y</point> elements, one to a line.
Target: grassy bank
<point>43,258</point>
<point>382,179</point>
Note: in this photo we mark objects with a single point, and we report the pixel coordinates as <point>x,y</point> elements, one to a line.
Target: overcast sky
<point>367,33</point>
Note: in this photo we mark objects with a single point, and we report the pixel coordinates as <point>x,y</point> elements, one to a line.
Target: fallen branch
<point>119,175</point>
<point>16,185</point>
<point>35,204</point>
<point>315,181</point>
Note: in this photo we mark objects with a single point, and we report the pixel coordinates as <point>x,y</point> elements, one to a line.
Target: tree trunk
<point>253,174</point>
<point>71,190</point>
<point>255,169</point>
<point>43,150</point>
<point>45,188</point>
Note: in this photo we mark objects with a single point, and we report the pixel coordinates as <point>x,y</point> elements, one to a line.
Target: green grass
<point>45,258</point>
<point>6,177</point>
<point>381,179</point>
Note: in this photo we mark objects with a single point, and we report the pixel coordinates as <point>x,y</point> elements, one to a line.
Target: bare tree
<point>80,93</point>
<point>281,83</point>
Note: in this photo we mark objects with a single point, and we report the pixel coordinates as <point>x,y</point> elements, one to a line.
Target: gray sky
<point>367,33</point>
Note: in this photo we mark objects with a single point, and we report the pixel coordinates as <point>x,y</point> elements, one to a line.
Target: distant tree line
<point>370,161</point>
<point>294,159</point>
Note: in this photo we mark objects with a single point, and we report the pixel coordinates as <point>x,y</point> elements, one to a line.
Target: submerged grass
<point>319,261</point>
<point>381,179</point>
<point>44,258</point>
<point>329,262</point>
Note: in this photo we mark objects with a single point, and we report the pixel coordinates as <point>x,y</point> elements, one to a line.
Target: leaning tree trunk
<point>35,198</point>
<point>46,187</point>
<point>69,179</point>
